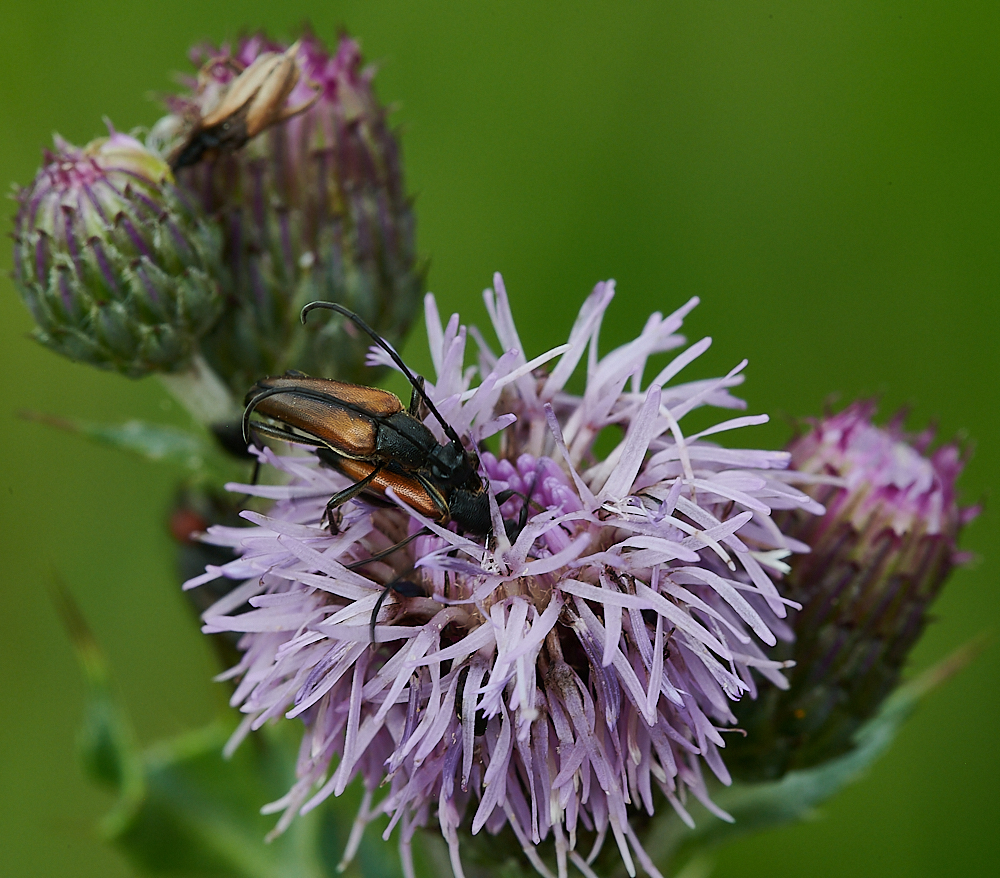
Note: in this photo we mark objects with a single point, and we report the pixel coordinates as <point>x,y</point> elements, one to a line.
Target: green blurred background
<point>823,175</point>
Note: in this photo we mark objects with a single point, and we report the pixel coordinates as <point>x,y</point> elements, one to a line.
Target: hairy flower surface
<point>548,682</point>
<point>879,556</point>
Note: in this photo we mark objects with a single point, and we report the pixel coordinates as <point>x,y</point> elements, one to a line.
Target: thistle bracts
<point>116,268</point>
<point>879,556</point>
<point>313,208</point>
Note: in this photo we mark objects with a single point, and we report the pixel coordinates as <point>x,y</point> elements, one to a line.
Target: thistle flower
<point>548,683</point>
<point>879,556</point>
<point>116,268</point>
<point>313,208</point>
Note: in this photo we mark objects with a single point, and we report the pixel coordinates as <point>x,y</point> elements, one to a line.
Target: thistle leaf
<point>197,453</point>
<point>796,795</point>
<point>185,810</point>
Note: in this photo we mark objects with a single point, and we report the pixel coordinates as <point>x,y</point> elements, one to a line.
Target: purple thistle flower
<point>550,684</point>
<point>879,556</point>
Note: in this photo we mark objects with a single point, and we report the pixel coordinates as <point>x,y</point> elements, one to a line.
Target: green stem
<point>202,393</point>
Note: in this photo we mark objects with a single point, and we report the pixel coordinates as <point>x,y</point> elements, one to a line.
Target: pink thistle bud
<point>313,207</point>
<point>116,267</point>
<point>878,557</point>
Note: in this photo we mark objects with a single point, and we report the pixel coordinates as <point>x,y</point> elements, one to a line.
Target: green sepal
<point>755,807</point>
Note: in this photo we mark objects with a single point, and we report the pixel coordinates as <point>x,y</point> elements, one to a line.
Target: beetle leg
<point>402,587</point>
<point>522,518</point>
<point>436,496</point>
<point>352,491</point>
<point>375,612</point>
<point>385,553</point>
<point>285,435</point>
<point>418,408</point>
<point>514,528</point>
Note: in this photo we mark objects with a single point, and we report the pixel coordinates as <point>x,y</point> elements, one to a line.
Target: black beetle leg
<point>418,407</point>
<point>385,553</point>
<point>350,492</point>
<point>402,587</point>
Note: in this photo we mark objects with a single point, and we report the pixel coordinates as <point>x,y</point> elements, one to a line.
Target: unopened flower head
<point>559,675</point>
<point>879,556</point>
<point>312,208</point>
<point>117,269</point>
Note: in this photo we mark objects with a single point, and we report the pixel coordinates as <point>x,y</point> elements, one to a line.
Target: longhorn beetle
<point>254,100</point>
<point>366,434</point>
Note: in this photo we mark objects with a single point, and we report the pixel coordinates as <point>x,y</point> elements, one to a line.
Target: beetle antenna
<point>382,343</point>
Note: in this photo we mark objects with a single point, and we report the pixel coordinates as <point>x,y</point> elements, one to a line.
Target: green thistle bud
<point>115,268</point>
<point>312,208</point>
<point>879,556</point>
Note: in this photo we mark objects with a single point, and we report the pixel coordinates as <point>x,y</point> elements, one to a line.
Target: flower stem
<point>202,393</point>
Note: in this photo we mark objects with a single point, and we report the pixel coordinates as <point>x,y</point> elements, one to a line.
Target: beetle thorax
<point>450,463</point>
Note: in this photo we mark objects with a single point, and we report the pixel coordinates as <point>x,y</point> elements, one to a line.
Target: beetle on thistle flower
<point>364,433</point>
<point>548,683</point>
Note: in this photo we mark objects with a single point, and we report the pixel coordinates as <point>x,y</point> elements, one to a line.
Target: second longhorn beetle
<point>366,434</point>
<point>254,100</point>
